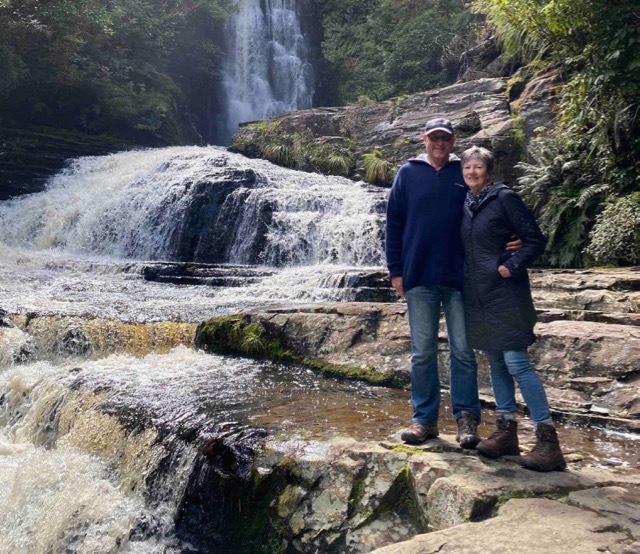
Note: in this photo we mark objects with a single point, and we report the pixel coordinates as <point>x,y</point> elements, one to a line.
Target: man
<point>425,260</point>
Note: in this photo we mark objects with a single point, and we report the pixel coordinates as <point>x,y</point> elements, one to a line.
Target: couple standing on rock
<point>447,244</point>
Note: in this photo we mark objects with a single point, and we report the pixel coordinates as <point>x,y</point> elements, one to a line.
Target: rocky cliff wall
<point>479,110</point>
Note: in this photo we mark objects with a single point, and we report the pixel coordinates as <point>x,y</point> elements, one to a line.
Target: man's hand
<point>396,283</point>
<point>504,272</point>
<point>514,245</point>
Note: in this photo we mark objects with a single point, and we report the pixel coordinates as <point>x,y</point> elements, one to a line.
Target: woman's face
<point>475,174</point>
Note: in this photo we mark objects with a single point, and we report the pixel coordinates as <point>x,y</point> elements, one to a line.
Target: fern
<point>377,170</point>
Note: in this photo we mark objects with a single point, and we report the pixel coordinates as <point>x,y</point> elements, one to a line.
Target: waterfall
<point>268,69</point>
<point>115,435</point>
<point>200,204</point>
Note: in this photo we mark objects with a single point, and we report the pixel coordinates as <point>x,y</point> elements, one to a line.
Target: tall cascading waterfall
<point>268,69</point>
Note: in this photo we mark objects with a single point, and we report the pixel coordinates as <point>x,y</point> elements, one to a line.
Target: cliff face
<point>479,110</point>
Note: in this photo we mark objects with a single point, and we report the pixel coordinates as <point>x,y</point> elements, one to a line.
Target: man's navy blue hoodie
<point>424,213</point>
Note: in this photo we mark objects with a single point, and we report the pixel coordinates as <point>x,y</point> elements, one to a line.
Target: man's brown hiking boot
<point>546,454</point>
<point>419,432</point>
<point>467,436</point>
<point>503,442</point>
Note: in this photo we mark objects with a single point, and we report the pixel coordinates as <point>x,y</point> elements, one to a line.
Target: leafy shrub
<point>593,160</point>
<point>564,191</point>
<point>615,239</point>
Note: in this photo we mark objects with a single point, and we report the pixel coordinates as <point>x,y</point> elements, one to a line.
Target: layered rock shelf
<point>479,110</point>
<point>591,369</point>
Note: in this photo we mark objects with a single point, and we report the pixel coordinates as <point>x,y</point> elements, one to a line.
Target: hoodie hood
<point>422,158</point>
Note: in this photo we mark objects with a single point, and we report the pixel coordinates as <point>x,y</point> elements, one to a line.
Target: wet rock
<point>484,60</point>
<point>63,336</point>
<point>535,105</point>
<point>590,368</point>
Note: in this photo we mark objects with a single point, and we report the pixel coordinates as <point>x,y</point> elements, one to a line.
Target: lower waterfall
<point>117,436</point>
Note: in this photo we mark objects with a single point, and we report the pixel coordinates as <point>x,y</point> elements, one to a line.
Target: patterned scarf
<point>472,201</point>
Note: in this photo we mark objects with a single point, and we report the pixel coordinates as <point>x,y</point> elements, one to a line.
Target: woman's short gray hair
<point>478,153</point>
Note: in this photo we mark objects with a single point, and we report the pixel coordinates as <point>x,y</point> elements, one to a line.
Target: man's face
<point>439,145</point>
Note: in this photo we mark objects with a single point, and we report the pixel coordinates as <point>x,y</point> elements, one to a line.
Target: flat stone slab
<point>619,504</point>
<point>534,526</point>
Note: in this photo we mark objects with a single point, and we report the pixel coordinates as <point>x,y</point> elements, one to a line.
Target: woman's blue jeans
<point>508,365</point>
<point>424,320</point>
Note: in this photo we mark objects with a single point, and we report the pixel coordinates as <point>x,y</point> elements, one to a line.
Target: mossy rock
<point>238,335</point>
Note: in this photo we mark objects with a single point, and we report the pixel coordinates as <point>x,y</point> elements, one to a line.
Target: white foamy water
<point>62,500</point>
<point>73,256</point>
<point>133,205</point>
<point>66,499</point>
<point>54,500</point>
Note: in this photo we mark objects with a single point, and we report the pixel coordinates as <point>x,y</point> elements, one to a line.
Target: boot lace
<point>467,425</point>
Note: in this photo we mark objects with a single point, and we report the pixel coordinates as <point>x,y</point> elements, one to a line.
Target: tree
<point>106,66</point>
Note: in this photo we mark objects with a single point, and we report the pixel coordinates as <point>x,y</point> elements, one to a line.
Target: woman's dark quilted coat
<point>499,312</point>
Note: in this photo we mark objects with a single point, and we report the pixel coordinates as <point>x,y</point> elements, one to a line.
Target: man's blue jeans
<point>424,317</point>
<point>508,365</point>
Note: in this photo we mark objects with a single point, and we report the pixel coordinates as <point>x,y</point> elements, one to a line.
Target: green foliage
<point>564,191</point>
<point>377,170</point>
<point>615,238</point>
<point>118,67</point>
<point>386,48</point>
<point>297,150</point>
<point>595,157</point>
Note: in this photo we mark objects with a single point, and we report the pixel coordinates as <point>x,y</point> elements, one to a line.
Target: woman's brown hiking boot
<point>503,442</point>
<point>546,454</point>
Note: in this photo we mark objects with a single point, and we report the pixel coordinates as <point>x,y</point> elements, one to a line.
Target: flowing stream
<point>92,340</point>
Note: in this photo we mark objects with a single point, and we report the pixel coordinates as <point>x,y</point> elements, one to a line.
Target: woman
<point>499,310</point>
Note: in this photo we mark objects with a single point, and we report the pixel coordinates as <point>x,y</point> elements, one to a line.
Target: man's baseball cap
<point>438,124</point>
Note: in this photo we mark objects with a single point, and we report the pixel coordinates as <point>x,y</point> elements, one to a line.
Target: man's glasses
<point>440,138</point>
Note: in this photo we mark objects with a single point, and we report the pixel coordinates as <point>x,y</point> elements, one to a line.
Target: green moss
<point>258,527</point>
<point>367,374</point>
<point>237,334</point>
<point>407,449</point>
<point>357,493</point>
<point>232,335</point>
<point>400,499</point>
<point>504,498</point>
<point>517,130</point>
<point>401,144</point>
